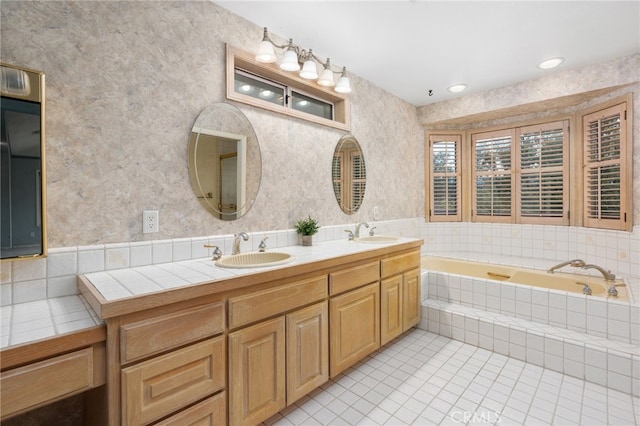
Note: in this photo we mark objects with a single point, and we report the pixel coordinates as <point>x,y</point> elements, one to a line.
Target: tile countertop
<point>42,319</point>
<point>121,291</point>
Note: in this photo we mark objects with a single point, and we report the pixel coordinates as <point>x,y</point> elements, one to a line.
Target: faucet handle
<point>351,235</point>
<point>371,232</point>
<point>263,245</point>
<point>217,253</point>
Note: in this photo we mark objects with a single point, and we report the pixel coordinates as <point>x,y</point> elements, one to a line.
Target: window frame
<point>625,162</point>
<point>240,60</point>
<point>457,138</point>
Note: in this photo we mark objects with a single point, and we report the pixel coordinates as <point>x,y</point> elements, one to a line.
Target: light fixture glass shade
<point>309,70</point>
<point>266,53</point>
<point>290,61</point>
<point>343,85</point>
<point>326,78</point>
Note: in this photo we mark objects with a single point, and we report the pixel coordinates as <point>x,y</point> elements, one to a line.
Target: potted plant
<point>307,228</point>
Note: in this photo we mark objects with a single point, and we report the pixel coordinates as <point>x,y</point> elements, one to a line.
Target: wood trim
<point>16,356</point>
<point>246,61</point>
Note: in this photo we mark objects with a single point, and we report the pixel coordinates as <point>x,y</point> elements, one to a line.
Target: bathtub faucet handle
<point>613,291</point>
<point>586,290</point>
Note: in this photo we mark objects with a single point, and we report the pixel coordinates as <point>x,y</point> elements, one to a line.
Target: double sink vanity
<point>192,341</point>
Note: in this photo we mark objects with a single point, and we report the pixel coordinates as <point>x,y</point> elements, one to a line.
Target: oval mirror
<point>224,161</point>
<point>349,174</point>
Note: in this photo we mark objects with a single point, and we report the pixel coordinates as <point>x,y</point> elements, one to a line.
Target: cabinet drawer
<point>148,337</point>
<point>52,379</point>
<point>265,303</point>
<point>160,386</point>
<point>211,411</point>
<point>351,278</point>
<point>398,264</point>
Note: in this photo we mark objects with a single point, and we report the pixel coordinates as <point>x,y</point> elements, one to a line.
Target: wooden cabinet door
<point>307,350</point>
<point>411,299</point>
<point>257,372</point>
<point>391,309</point>
<point>162,385</point>
<point>355,326</point>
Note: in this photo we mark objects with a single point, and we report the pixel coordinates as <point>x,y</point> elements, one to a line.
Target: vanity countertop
<point>122,291</point>
<point>32,330</point>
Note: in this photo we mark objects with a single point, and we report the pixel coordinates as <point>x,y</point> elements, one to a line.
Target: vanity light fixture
<point>457,88</point>
<point>550,63</point>
<point>294,56</point>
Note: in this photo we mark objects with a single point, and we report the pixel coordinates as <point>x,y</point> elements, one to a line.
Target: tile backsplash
<point>54,276</point>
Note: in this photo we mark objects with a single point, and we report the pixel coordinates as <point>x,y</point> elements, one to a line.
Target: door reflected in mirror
<point>22,164</point>
<point>349,174</point>
<point>224,161</point>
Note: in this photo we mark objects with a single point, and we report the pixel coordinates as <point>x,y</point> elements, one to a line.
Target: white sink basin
<point>376,239</point>
<point>254,260</point>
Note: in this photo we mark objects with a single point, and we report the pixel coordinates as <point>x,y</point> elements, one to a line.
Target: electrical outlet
<point>150,221</point>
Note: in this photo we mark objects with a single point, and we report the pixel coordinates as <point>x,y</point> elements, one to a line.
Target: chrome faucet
<point>217,253</point>
<point>576,263</point>
<point>358,225</point>
<point>608,276</point>
<point>236,241</point>
<point>263,244</point>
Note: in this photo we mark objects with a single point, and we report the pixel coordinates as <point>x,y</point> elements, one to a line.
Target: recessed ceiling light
<point>457,88</point>
<point>550,63</point>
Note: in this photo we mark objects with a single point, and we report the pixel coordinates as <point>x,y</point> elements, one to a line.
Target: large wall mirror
<point>224,161</point>
<point>23,181</point>
<point>349,174</point>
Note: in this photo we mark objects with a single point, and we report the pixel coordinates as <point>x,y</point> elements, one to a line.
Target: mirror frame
<point>36,81</point>
<point>345,188</point>
<point>224,122</point>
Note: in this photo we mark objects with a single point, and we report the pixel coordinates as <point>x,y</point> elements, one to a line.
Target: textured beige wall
<point>125,83</point>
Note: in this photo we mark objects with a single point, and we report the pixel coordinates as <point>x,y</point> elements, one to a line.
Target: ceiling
<point>408,47</point>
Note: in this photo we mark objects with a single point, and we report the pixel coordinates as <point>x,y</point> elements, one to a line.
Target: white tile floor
<point>422,378</point>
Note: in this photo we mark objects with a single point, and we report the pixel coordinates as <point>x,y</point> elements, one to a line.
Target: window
<point>536,173</point>
<point>607,169</point>
<point>247,84</point>
<point>444,165</point>
<point>493,176</point>
<point>266,86</point>
<point>543,188</point>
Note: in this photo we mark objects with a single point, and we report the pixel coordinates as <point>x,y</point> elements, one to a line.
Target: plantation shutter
<point>336,173</point>
<point>444,159</point>
<point>493,173</point>
<point>543,160</point>
<point>358,178</point>
<point>605,169</point>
